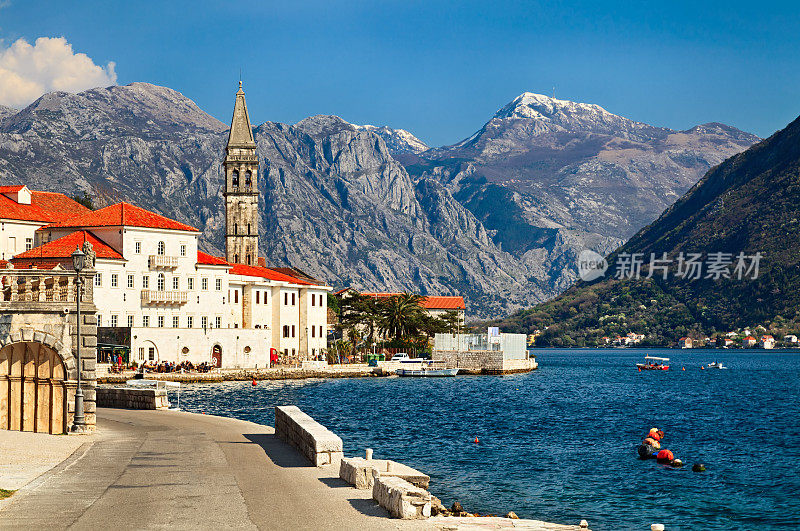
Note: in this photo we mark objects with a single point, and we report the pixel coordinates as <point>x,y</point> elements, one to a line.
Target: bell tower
<point>241,188</point>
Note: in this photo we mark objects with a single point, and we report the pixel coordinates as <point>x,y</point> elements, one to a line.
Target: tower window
<point>236,228</point>
<point>235,178</point>
<point>236,259</point>
<point>248,259</point>
<point>161,248</point>
<point>248,229</point>
<point>248,178</point>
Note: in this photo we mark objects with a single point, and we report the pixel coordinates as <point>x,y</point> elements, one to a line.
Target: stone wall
<point>39,306</point>
<point>128,398</point>
<point>401,498</point>
<point>484,361</point>
<point>320,445</point>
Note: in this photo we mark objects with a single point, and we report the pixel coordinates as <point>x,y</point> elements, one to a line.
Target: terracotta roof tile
<point>265,272</point>
<point>123,214</point>
<point>45,207</point>
<point>64,247</point>
<point>207,259</point>
<point>430,302</point>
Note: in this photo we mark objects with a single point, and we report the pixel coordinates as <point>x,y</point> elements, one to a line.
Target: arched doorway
<point>33,394</point>
<point>216,356</point>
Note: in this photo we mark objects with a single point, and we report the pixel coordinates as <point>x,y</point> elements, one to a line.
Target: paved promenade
<point>165,469</point>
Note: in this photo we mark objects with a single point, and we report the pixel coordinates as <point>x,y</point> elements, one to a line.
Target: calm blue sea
<point>558,444</point>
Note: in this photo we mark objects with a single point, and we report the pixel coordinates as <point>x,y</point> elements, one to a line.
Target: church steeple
<point>241,133</point>
<point>241,188</point>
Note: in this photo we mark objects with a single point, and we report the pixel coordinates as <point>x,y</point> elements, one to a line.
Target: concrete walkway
<point>26,456</point>
<point>165,469</point>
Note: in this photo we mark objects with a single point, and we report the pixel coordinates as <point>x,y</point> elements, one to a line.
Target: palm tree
<point>401,316</point>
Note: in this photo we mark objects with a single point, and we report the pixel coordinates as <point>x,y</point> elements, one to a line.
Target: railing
<point>164,297</point>
<point>35,285</point>
<point>161,261</point>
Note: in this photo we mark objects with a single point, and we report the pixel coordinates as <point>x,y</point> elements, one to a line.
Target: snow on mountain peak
<point>532,105</point>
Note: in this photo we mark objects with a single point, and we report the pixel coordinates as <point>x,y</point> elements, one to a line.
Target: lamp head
<point>78,260</point>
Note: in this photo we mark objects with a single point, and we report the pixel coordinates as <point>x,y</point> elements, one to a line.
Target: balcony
<point>164,297</point>
<point>159,261</point>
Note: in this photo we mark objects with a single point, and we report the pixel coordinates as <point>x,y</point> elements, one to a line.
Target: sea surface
<point>559,444</point>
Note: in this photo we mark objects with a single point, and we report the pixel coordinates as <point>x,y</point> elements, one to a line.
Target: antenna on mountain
<point>554,93</point>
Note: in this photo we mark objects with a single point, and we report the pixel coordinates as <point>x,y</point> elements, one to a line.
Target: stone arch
<point>35,383</point>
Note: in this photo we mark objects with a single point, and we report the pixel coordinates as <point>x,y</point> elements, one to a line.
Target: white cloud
<point>27,72</point>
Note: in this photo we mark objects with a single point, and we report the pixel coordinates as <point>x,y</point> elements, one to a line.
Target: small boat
<point>428,369</point>
<point>653,363</point>
<point>716,365</point>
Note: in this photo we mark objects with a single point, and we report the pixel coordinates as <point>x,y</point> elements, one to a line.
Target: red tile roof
<point>265,272</point>
<point>45,206</point>
<point>123,214</point>
<point>430,302</point>
<point>207,259</point>
<point>64,247</point>
<point>9,189</point>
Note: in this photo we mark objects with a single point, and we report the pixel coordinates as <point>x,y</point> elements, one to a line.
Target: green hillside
<point>749,204</point>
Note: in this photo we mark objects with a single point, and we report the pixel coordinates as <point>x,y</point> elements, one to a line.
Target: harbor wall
<point>484,361</point>
<point>127,398</point>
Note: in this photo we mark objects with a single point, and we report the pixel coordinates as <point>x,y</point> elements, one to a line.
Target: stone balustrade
<point>316,442</point>
<point>127,398</point>
<point>164,297</point>
<point>160,261</point>
<point>40,285</point>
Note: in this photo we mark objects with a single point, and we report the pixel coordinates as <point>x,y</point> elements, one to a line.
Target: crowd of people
<point>171,366</point>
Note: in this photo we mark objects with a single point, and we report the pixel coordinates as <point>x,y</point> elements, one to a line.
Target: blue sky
<point>441,69</point>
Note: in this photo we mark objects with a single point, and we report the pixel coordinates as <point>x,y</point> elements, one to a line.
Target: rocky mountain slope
<point>334,201</point>
<point>747,206</point>
<point>551,177</point>
<point>397,140</point>
<point>498,218</point>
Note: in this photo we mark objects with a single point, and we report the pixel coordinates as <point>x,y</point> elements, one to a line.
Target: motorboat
<point>716,365</point>
<point>653,363</point>
<point>428,369</point>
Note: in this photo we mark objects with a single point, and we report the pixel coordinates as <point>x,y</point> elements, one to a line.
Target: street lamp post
<point>78,262</point>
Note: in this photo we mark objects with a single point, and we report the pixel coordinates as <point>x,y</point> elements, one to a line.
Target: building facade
<point>166,298</point>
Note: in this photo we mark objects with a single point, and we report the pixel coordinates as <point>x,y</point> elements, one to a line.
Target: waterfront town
<point>564,296</point>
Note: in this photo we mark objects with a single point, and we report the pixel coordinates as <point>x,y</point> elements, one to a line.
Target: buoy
<point>665,455</point>
<point>702,368</point>
<point>698,467</point>
<point>254,382</point>
<point>476,440</point>
<point>640,369</point>
<point>683,368</point>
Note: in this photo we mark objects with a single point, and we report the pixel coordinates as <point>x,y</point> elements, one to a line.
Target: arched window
<point>161,248</point>
<point>248,229</point>
<point>161,282</point>
<point>235,178</point>
<point>248,259</point>
<point>248,178</point>
<point>236,259</point>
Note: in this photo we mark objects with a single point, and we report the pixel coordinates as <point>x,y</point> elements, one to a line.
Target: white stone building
<point>164,298</point>
<point>22,211</point>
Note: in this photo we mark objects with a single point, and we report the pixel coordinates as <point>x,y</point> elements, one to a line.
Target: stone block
<point>401,498</point>
<point>89,340</point>
<point>89,319</point>
<point>360,472</point>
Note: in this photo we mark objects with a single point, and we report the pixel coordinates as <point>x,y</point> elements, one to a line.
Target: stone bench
<point>359,472</point>
<point>316,442</point>
<point>401,498</point>
<point>127,398</point>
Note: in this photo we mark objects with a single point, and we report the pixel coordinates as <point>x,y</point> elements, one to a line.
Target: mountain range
<point>498,217</point>
<point>746,207</point>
